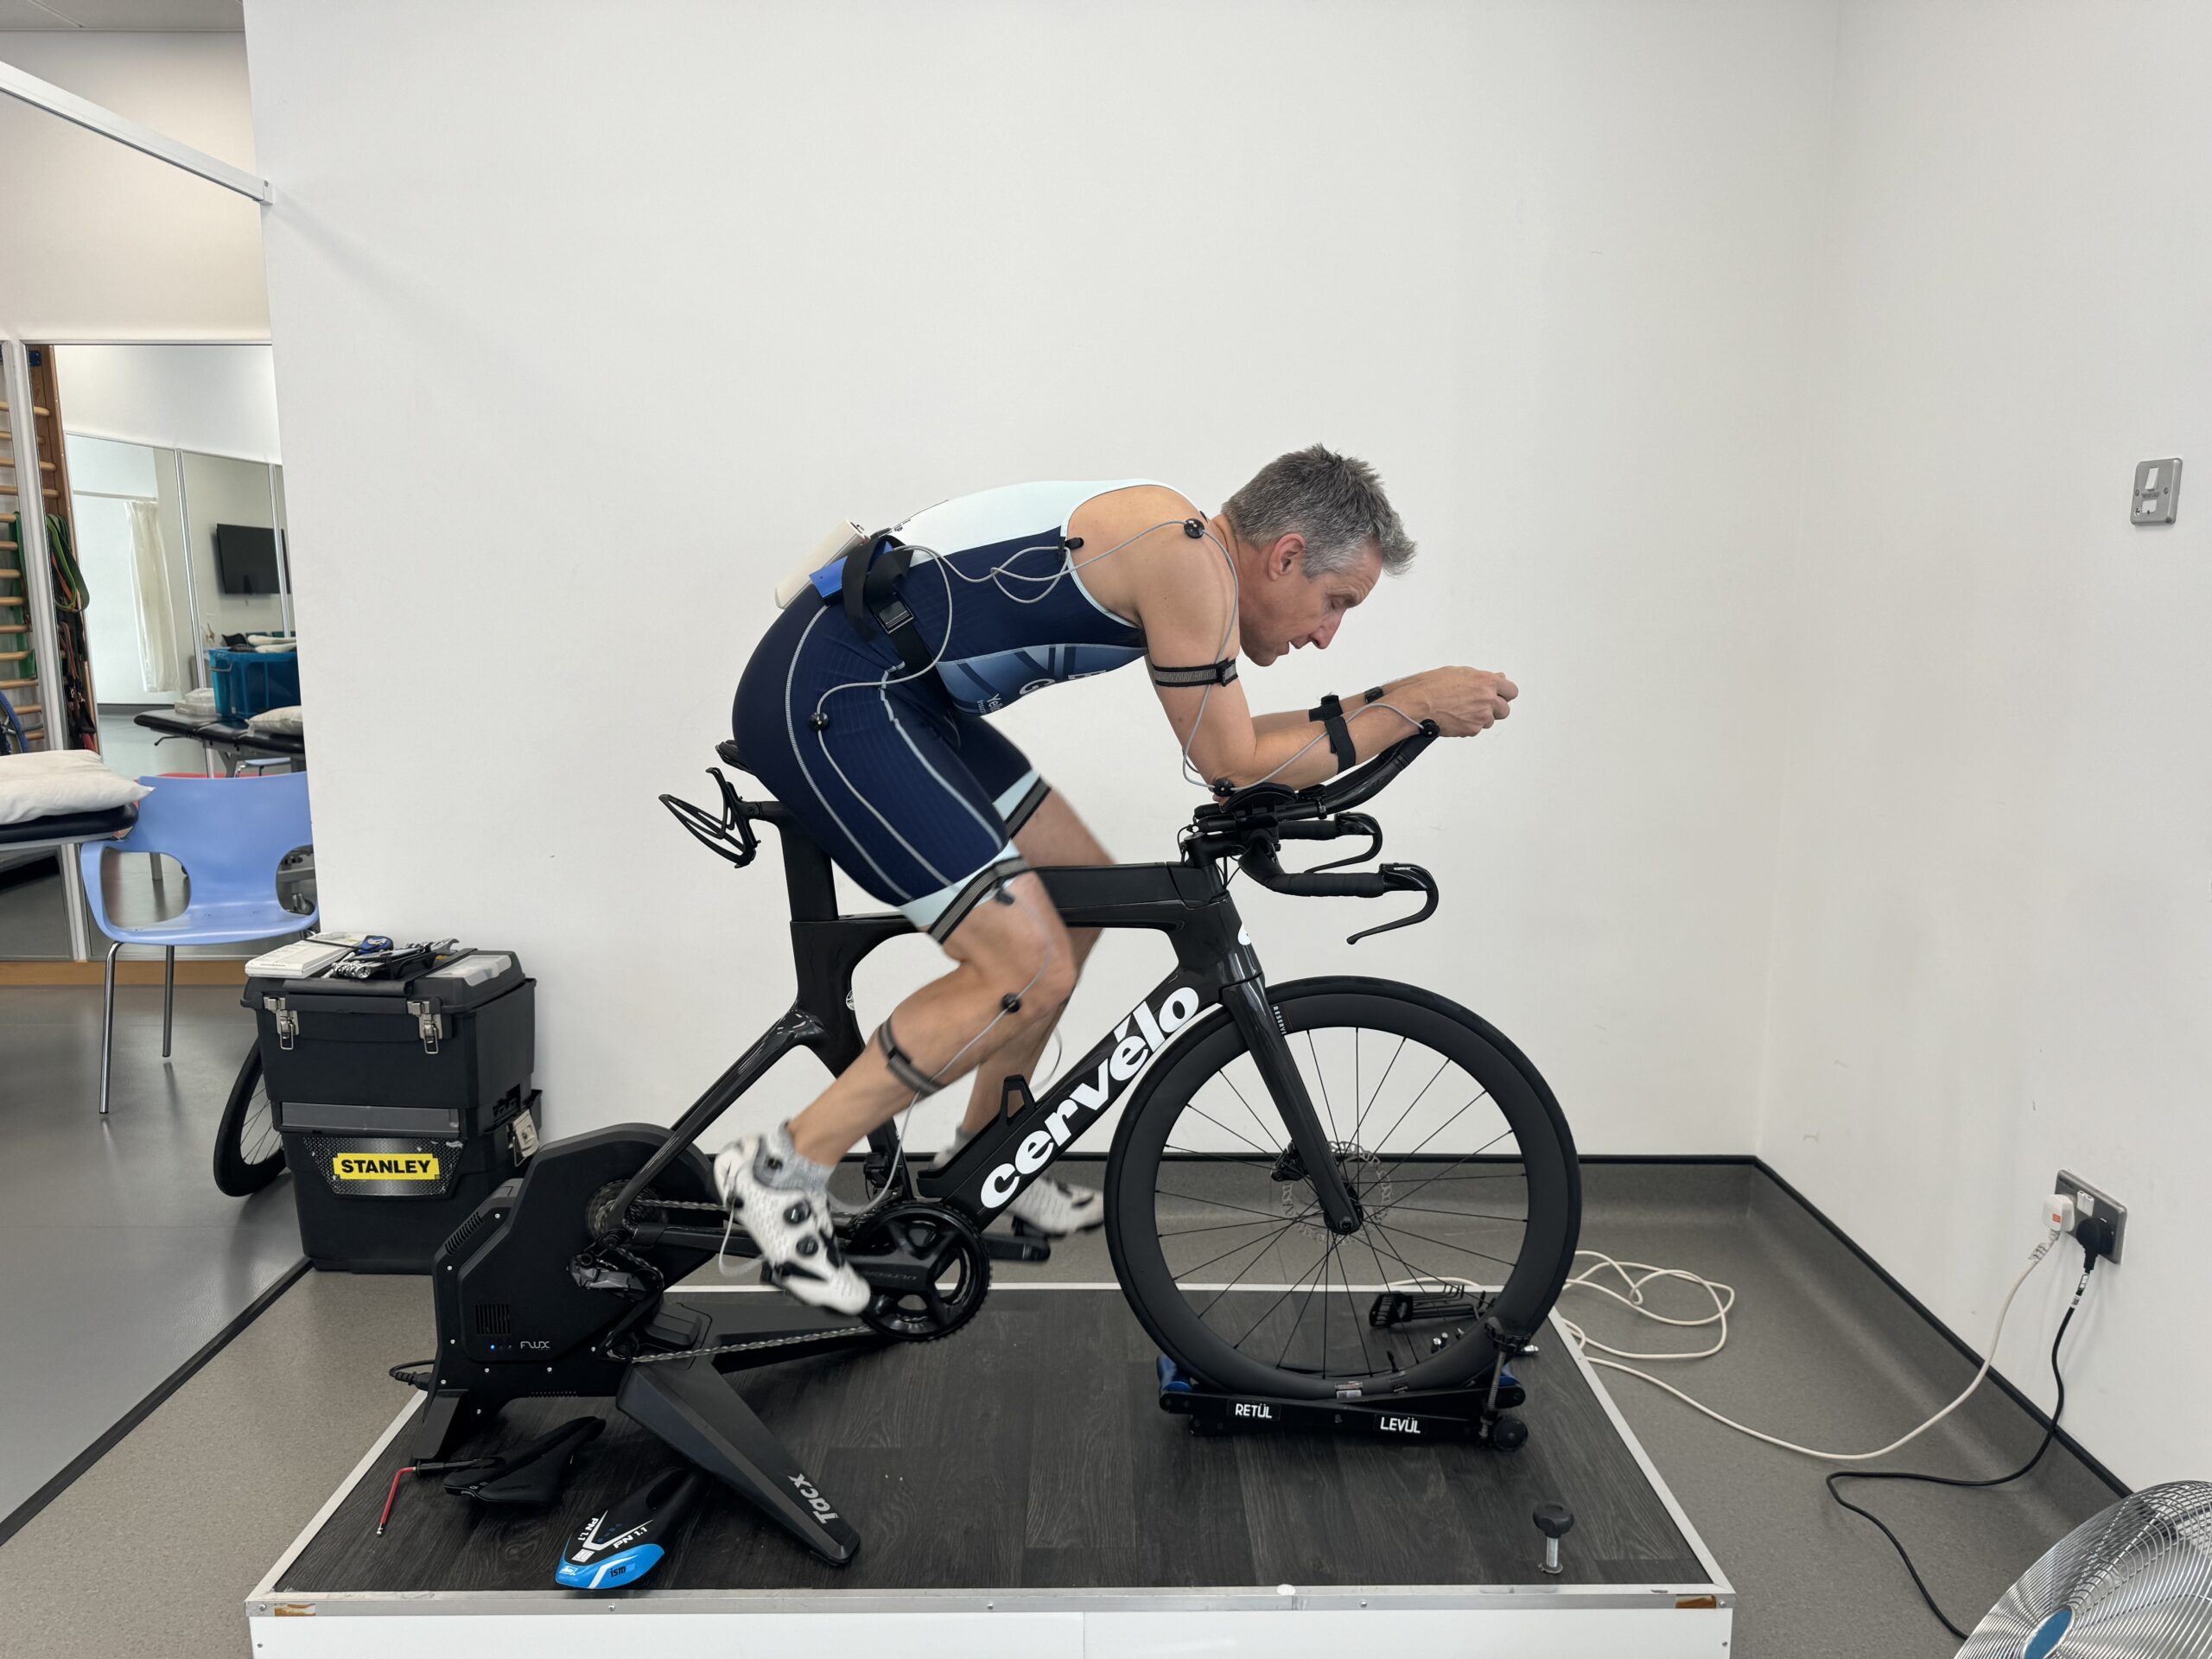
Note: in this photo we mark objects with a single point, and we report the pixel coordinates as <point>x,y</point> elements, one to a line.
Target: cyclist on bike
<point>863,710</point>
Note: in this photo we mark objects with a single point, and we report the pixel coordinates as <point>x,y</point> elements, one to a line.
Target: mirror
<point>176,519</point>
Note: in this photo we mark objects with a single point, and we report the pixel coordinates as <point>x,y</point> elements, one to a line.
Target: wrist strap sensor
<point>1331,713</point>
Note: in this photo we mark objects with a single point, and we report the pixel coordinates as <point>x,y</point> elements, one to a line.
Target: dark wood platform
<point>1029,1450</point>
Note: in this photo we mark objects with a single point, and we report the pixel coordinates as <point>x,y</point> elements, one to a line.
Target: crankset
<point>930,1270</point>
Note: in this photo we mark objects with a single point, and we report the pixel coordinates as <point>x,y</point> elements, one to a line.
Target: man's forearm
<point>1292,748</point>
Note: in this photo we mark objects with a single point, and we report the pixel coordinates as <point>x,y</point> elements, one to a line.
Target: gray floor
<point>203,1496</point>
<point>122,1257</point>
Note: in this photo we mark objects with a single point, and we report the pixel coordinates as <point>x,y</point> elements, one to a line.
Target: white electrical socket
<point>2089,1202</point>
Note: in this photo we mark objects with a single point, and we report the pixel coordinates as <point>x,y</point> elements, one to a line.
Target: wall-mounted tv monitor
<point>245,558</point>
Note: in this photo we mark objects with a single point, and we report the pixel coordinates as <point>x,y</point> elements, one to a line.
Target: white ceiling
<point>162,16</point>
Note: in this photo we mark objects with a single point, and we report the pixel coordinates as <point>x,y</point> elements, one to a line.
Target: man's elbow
<point>1235,769</point>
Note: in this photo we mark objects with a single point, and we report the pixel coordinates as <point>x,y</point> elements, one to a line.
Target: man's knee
<point>1038,978</point>
<point>1023,956</point>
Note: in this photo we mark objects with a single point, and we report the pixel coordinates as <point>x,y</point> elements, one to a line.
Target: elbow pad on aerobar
<point>1220,673</point>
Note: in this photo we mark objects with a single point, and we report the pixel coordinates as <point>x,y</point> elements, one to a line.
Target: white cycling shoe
<point>793,1230</point>
<point>1057,1209</point>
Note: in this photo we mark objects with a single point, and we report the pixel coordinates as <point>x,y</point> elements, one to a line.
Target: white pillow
<point>72,780</point>
<point>286,719</point>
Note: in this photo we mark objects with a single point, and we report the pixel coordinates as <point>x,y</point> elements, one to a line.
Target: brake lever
<point>1412,879</point>
<point>1359,823</point>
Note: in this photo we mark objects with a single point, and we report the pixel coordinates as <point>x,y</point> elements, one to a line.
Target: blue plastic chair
<point>230,834</point>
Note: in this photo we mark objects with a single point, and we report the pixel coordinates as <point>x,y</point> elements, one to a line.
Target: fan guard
<point>2132,1582</point>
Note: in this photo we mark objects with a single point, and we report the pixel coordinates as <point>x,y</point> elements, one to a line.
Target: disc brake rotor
<point>1364,1175</point>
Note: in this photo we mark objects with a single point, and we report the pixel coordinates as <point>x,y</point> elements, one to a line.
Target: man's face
<point>1280,608</point>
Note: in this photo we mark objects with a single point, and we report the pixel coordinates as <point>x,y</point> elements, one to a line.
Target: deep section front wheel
<point>249,1151</point>
<point>1450,1143</point>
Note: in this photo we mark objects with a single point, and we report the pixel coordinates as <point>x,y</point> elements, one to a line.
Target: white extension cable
<point>1724,1298</point>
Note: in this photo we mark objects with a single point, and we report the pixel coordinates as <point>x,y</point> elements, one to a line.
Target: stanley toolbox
<point>402,1101</point>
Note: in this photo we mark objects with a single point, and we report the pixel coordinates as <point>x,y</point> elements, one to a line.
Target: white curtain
<point>158,652</point>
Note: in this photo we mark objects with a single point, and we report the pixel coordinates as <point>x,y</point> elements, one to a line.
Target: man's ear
<point>1288,552</point>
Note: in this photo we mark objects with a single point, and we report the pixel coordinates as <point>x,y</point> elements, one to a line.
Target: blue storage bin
<point>248,682</point>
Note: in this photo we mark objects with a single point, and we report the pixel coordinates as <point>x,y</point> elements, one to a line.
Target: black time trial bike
<point>1302,1173</point>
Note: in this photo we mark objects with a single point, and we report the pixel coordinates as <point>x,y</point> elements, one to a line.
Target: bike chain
<point>753,1346</point>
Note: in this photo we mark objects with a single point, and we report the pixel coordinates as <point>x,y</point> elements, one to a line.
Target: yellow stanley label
<point>385,1167</point>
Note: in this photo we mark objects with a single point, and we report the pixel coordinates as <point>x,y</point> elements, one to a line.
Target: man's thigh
<point>1054,834</point>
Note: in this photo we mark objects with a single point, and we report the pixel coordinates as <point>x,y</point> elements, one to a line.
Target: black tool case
<point>402,1102</point>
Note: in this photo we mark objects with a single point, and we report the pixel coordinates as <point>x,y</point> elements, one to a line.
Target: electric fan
<point>2132,1582</point>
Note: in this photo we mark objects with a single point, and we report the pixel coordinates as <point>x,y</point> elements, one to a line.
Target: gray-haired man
<point>864,710</point>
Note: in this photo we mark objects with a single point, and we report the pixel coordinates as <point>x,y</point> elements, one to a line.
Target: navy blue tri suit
<point>913,793</point>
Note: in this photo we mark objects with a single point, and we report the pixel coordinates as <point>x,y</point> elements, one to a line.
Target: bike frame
<point>1215,965</point>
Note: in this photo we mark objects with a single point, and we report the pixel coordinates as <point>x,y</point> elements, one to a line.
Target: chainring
<point>960,1270</point>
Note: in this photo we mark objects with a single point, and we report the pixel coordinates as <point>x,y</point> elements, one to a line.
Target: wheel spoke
<point>1220,1226</point>
<point>1416,1099</point>
<point>1394,1206</point>
<point>1445,1125</point>
<point>1219,1203</point>
<point>1225,1129</point>
<point>1360,1122</point>
<point>1260,1122</point>
<point>1271,1306</point>
<point>1192,1272</point>
<point>1443,1244</point>
<point>1241,1271</point>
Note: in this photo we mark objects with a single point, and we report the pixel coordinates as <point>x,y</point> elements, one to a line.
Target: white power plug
<point>2058,1213</point>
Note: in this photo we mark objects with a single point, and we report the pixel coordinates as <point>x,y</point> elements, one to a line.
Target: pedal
<point>1024,1244</point>
<point>1395,1307</point>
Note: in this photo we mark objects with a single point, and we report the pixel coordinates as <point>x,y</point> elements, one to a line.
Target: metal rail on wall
<point>93,117</point>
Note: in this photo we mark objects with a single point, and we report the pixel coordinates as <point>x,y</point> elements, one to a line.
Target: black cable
<point>2049,1434</point>
<point>416,1374</point>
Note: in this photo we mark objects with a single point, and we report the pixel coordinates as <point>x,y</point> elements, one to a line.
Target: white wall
<point>102,242</point>
<point>635,315</point>
<point>1990,956</point>
<point>217,399</point>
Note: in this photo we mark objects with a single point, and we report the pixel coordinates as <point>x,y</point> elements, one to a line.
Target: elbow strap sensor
<point>1220,673</point>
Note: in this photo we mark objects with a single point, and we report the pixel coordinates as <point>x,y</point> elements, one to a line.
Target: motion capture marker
<point>1195,529</point>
